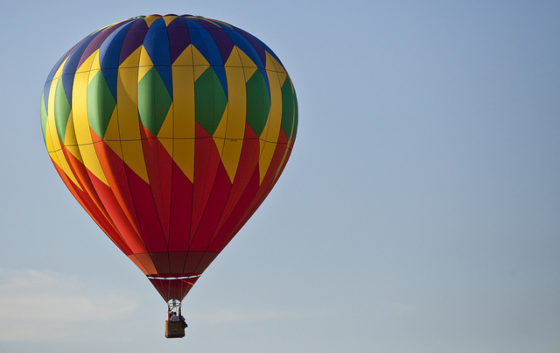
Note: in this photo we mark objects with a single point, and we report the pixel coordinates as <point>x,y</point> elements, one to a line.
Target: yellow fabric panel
<point>184,113</point>
<point>127,115</point>
<point>56,160</point>
<point>234,59</point>
<point>168,19</point>
<point>290,141</point>
<point>231,130</point>
<point>282,162</point>
<point>229,147</point>
<point>230,156</point>
<point>166,129</point>
<point>132,152</point>
<point>220,132</point>
<point>150,19</point>
<point>196,60</point>
<point>282,77</point>
<point>112,131</point>
<point>282,74</point>
<point>66,167</point>
<point>183,96</point>
<point>249,66</point>
<point>81,122</point>
<point>132,60</point>
<point>95,65</point>
<point>165,133</point>
<point>237,101</point>
<point>51,127</point>
<point>112,138</point>
<point>248,72</point>
<point>127,98</point>
<point>79,104</point>
<point>272,65</point>
<point>70,139</point>
<point>145,63</point>
<point>49,141</point>
<point>198,71</point>
<point>185,58</point>
<point>193,58</point>
<point>58,155</point>
<point>269,137</point>
<point>60,159</point>
<point>85,67</point>
<point>183,156</point>
<point>53,142</point>
<point>245,60</point>
<point>52,134</point>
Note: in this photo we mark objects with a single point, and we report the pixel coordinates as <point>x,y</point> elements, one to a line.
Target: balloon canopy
<point>169,131</point>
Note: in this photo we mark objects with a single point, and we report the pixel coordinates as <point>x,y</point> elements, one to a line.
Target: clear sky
<point>420,211</point>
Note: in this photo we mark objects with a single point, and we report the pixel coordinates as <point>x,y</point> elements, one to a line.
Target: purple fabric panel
<point>254,43</point>
<point>98,40</point>
<point>133,39</point>
<point>179,38</point>
<point>221,38</point>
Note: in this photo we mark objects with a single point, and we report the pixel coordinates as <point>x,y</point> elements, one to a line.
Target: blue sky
<point>418,213</point>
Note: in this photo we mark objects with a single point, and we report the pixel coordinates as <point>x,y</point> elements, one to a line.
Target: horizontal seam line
<point>166,138</point>
<point>166,66</point>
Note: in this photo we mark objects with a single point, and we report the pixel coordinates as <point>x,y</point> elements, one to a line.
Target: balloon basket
<point>174,329</point>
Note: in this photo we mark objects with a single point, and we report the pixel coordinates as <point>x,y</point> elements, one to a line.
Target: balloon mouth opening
<point>170,278</point>
<point>173,286</point>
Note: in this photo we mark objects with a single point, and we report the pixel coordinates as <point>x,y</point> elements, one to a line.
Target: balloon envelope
<point>169,131</point>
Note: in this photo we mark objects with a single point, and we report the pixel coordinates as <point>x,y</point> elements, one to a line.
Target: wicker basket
<point>174,329</point>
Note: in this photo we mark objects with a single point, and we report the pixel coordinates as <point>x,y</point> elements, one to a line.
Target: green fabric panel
<point>258,102</point>
<point>287,107</point>
<point>209,100</point>
<point>61,110</point>
<point>153,101</point>
<point>44,118</point>
<point>295,115</point>
<point>100,104</point>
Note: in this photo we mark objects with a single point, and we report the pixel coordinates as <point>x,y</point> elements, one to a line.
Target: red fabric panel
<point>127,233</point>
<point>247,164</point>
<point>181,209</point>
<point>286,158</point>
<point>278,158</point>
<point>214,208</point>
<point>136,197</point>
<point>173,289</point>
<point>114,171</point>
<point>158,165</point>
<point>147,214</point>
<point>197,261</point>
<point>204,261</point>
<point>206,161</point>
<point>80,172</point>
<point>93,211</point>
<point>234,222</point>
<point>269,179</point>
<point>121,202</point>
<point>177,261</point>
<point>144,262</point>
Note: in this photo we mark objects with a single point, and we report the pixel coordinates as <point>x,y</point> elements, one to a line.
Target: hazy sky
<point>420,211</point>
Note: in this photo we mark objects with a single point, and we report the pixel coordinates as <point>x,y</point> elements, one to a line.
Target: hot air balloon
<point>169,131</point>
